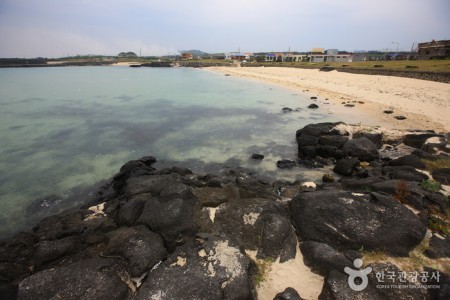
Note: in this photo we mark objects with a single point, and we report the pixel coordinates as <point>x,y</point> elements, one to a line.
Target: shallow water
<point>64,129</point>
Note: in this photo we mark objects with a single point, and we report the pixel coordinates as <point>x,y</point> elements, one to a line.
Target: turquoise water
<point>66,128</point>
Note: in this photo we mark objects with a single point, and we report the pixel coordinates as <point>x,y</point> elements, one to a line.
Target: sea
<point>66,130</point>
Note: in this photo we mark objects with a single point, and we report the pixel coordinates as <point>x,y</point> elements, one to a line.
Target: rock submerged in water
<point>313,106</point>
<point>257,156</point>
<point>286,164</point>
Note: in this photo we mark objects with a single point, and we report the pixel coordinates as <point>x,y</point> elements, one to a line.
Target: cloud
<point>55,28</point>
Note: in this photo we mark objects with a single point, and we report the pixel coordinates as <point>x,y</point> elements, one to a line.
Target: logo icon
<point>353,274</point>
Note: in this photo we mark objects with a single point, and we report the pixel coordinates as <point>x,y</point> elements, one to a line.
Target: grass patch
<point>423,65</point>
<point>439,224</point>
<point>264,267</point>
<point>433,165</point>
<point>430,185</point>
<point>373,256</point>
<point>414,262</point>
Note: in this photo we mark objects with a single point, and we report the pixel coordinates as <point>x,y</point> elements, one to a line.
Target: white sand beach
<point>425,104</point>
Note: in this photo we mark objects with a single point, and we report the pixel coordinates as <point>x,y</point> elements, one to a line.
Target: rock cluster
<point>172,234</point>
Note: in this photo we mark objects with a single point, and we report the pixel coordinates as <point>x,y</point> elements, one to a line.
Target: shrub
<point>401,191</point>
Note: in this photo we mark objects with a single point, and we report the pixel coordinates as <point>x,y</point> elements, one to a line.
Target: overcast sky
<point>56,28</point>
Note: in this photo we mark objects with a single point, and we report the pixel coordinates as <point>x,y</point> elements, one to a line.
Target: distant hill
<point>127,54</point>
<point>195,52</point>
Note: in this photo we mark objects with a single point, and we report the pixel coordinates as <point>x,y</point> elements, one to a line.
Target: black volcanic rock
<point>96,278</point>
<point>408,160</point>
<point>439,247</point>
<point>346,166</point>
<point>286,164</point>
<point>141,248</point>
<point>442,175</point>
<point>346,221</point>
<point>408,173</point>
<point>198,271</point>
<point>362,148</point>
<point>418,140</point>
<point>322,258</point>
<point>257,156</point>
<point>288,294</point>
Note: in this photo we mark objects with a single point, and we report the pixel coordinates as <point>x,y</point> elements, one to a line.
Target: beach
<point>424,104</point>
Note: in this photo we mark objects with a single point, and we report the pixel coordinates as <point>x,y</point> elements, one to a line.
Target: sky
<point>58,28</point>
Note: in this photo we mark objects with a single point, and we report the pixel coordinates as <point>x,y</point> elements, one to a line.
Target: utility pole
<point>396,49</point>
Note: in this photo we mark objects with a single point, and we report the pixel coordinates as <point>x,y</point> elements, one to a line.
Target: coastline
<point>425,104</point>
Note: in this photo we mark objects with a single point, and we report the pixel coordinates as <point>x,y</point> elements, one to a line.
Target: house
<point>434,49</point>
<point>284,56</point>
<point>240,56</point>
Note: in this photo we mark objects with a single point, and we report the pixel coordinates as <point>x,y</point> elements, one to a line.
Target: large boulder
<point>318,130</point>
<point>360,184</point>
<point>362,148</point>
<point>442,175</point>
<point>257,224</point>
<point>133,168</point>
<point>346,166</point>
<point>419,140</point>
<point>173,218</point>
<point>439,247</point>
<point>336,285</point>
<point>216,269</point>
<point>47,251</point>
<point>408,160</point>
<point>337,141</point>
<point>408,173</point>
<point>323,139</point>
<point>140,247</point>
<point>347,221</point>
<point>98,278</point>
<point>322,258</point>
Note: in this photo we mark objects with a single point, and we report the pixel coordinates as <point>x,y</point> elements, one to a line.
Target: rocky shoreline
<point>172,234</point>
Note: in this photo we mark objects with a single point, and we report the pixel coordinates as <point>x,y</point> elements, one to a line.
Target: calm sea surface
<point>64,129</point>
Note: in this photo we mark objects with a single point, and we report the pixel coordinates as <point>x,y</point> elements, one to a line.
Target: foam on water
<point>69,127</point>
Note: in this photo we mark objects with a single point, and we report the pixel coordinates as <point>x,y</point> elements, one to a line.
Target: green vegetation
<point>439,224</point>
<point>374,255</point>
<point>414,262</point>
<point>399,65</point>
<point>430,185</point>
<point>436,164</point>
<point>264,267</point>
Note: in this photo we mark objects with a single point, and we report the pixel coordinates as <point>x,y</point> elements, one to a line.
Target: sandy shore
<point>425,104</point>
<point>124,64</point>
